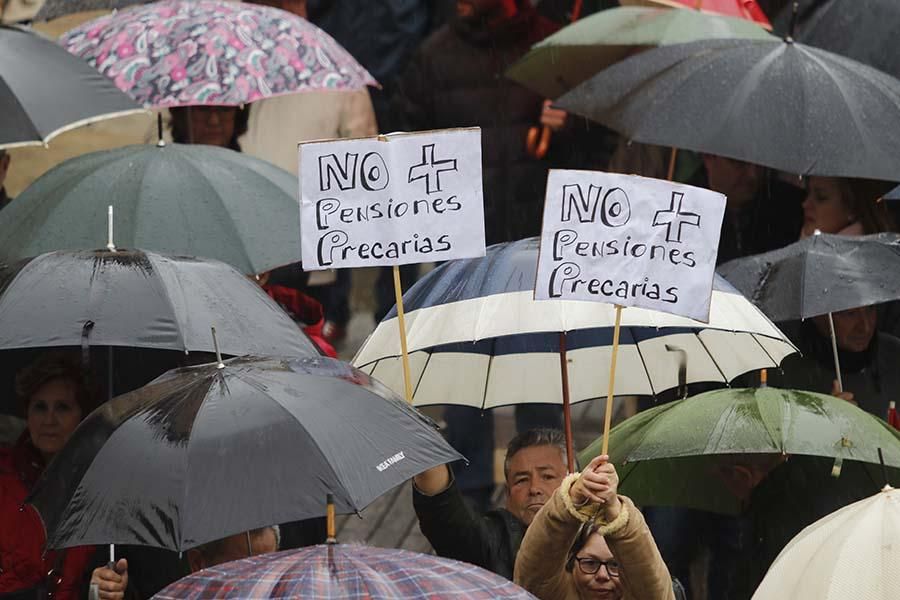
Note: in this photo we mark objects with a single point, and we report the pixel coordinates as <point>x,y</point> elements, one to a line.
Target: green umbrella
<point>177,199</point>
<point>669,455</point>
<point>584,48</point>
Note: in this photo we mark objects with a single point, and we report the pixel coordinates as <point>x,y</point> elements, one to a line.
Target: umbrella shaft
<point>834,350</point>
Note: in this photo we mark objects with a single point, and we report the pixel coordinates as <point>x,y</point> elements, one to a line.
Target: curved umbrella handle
<point>538,141</point>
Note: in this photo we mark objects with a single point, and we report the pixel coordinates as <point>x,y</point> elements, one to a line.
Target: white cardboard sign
<point>391,200</point>
<point>628,240</point>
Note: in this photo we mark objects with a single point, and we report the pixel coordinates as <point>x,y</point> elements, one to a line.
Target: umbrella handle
<point>538,141</point>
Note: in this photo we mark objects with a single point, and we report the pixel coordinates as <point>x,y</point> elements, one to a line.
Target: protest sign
<point>629,241</point>
<point>391,200</point>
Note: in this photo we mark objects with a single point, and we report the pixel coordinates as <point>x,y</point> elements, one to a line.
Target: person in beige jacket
<point>620,551</point>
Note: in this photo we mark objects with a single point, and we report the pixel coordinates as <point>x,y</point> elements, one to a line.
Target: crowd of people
<point>559,535</point>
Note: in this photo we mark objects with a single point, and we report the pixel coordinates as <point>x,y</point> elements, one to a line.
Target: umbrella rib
<point>164,292</point>
<point>229,220</point>
<point>421,375</point>
<point>712,358</point>
<point>643,363</point>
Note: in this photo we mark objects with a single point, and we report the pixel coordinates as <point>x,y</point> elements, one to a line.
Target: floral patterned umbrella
<point>214,53</point>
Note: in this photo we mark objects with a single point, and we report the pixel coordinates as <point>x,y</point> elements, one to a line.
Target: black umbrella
<point>45,91</point>
<point>132,299</point>
<point>205,452</point>
<point>864,31</point>
<point>140,300</point>
<point>820,275</point>
<point>775,103</point>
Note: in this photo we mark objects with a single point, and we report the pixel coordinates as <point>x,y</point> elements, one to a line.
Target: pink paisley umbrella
<point>211,52</point>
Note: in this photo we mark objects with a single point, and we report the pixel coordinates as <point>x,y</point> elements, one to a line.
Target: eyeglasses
<point>589,566</point>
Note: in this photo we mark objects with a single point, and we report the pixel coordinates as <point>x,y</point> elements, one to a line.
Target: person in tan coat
<point>625,561</point>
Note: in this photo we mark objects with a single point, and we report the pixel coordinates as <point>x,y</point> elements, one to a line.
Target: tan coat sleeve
<point>540,564</point>
<point>644,574</point>
<point>357,115</point>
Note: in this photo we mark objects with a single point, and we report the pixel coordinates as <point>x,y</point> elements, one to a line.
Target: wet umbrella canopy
<point>141,300</point>
<point>774,103</point>
<point>214,53</point>
<point>209,451</point>
<point>568,57</point>
<point>477,337</point>
<point>668,455</point>
<point>180,199</point>
<point>45,91</point>
<point>820,274</point>
<point>864,31</point>
<point>344,571</point>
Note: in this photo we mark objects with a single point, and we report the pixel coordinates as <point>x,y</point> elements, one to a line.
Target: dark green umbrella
<point>177,199</point>
<point>669,455</point>
<point>584,48</point>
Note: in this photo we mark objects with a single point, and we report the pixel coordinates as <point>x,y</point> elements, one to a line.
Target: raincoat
<point>23,561</point>
<point>540,566</point>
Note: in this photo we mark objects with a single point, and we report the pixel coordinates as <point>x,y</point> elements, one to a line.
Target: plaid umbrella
<point>344,571</point>
<point>211,52</point>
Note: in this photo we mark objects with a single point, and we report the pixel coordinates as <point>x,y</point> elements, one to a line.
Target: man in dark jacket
<point>456,79</point>
<point>535,466</point>
<point>868,359</point>
<point>763,213</point>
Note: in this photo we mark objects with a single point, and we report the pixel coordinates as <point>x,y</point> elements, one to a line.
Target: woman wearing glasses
<point>588,542</point>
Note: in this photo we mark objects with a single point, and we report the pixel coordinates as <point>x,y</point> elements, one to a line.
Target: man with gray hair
<point>534,467</point>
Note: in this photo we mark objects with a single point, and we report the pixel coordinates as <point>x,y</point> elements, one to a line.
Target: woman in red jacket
<point>55,397</point>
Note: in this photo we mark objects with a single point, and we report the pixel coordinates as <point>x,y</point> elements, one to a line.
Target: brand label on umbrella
<point>628,240</point>
<point>388,200</point>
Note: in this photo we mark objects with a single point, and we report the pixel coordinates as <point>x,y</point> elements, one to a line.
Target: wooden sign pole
<point>607,419</point>
<point>401,321</point>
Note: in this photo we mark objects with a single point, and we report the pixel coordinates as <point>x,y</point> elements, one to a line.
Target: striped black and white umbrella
<point>477,337</point>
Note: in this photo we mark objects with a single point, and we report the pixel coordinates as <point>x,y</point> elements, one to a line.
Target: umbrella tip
<point>220,365</point>
<point>110,244</point>
<point>790,36</point>
<point>160,143</point>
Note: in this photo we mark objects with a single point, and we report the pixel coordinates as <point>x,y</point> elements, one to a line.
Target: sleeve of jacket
<point>644,574</point>
<point>411,102</point>
<point>541,562</point>
<point>452,528</point>
<point>357,115</point>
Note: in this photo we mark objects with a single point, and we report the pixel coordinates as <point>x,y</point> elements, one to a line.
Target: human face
<point>853,329</point>
<point>600,585</point>
<point>825,208</point>
<point>53,414</point>
<point>212,125</point>
<point>738,180</point>
<point>534,474</point>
